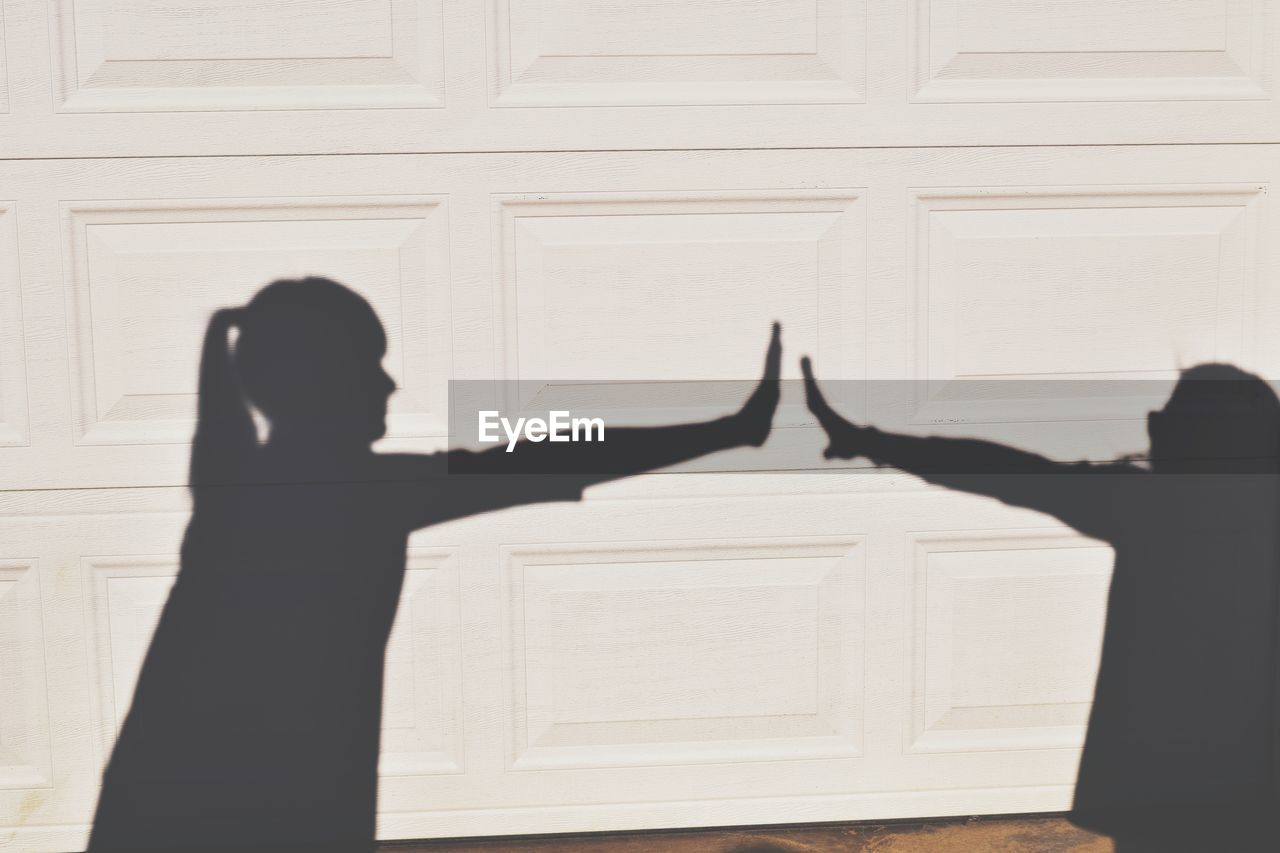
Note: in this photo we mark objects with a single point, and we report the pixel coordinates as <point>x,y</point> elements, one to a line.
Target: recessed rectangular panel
<point>422,688</point>
<point>422,694</point>
<point>685,653</point>
<point>612,52</point>
<point>127,595</point>
<point>992,26</point>
<point>1007,632</point>
<point>1090,50</point>
<point>147,55</point>
<point>608,27</point>
<point>1080,283</point>
<point>612,288</point>
<point>144,278</point>
<point>4,69</point>
<point>141,30</point>
<point>13,368</point>
<point>25,759</point>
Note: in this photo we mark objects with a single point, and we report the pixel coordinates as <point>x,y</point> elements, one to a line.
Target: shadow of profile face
<point>1218,418</point>
<point>309,357</point>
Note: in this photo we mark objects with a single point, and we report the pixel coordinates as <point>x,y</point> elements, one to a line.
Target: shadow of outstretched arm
<point>634,450</point>
<point>1010,475</point>
<point>543,471</point>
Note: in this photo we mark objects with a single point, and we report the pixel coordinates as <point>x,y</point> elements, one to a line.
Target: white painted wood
<point>140,55</point>
<point>146,276</point>
<point>145,77</point>
<point>1123,50</point>
<point>826,594</point>
<point>422,711</point>
<point>560,53</point>
<point>907,264</point>
<point>24,746</point>
<point>676,650</point>
<point>702,689</point>
<point>14,423</point>
<point>1006,634</point>
<point>4,69</point>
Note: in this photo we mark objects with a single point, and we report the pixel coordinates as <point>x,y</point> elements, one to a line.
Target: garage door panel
<point>422,710</point>
<point>13,368</point>
<point>48,775</point>
<point>1143,281</point>
<point>4,69</point>
<point>612,53</point>
<point>622,287</point>
<point>1140,278</point>
<point>1133,50</point>
<point>141,77</point>
<point>25,757</point>
<point>132,55</point>
<point>1006,631</point>
<point>144,276</point>
<point>127,594</point>
<point>601,679</point>
<point>422,702</point>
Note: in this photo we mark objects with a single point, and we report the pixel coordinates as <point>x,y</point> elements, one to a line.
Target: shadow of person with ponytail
<point>255,721</point>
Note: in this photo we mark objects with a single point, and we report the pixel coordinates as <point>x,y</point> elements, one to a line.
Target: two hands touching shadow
<point>255,721</point>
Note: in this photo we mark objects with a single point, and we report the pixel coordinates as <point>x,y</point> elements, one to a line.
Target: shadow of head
<point>308,356</point>
<point>1217,417</point>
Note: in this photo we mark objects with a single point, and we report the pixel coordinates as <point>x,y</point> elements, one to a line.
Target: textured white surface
<point>684,650</point>
<point>149,77</point>
<point>677,650</point>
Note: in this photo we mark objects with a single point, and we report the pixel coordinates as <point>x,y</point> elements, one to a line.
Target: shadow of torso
<point>1183,714</point>
<point>1183,717</point>
<point>255,722</point>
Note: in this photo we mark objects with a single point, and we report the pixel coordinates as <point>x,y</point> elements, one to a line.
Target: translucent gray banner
<point>1212,419</point>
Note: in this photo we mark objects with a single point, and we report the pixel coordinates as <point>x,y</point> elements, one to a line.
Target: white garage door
<point>880,176</point>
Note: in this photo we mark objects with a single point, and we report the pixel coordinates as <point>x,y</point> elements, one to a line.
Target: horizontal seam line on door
<point>606,150</point>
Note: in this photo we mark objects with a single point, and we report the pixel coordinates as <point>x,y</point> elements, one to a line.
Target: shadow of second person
<point>1180,748</point>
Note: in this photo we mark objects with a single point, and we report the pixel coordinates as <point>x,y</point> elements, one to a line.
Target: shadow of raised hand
<point>841,434</point>
<point>755,418</point>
